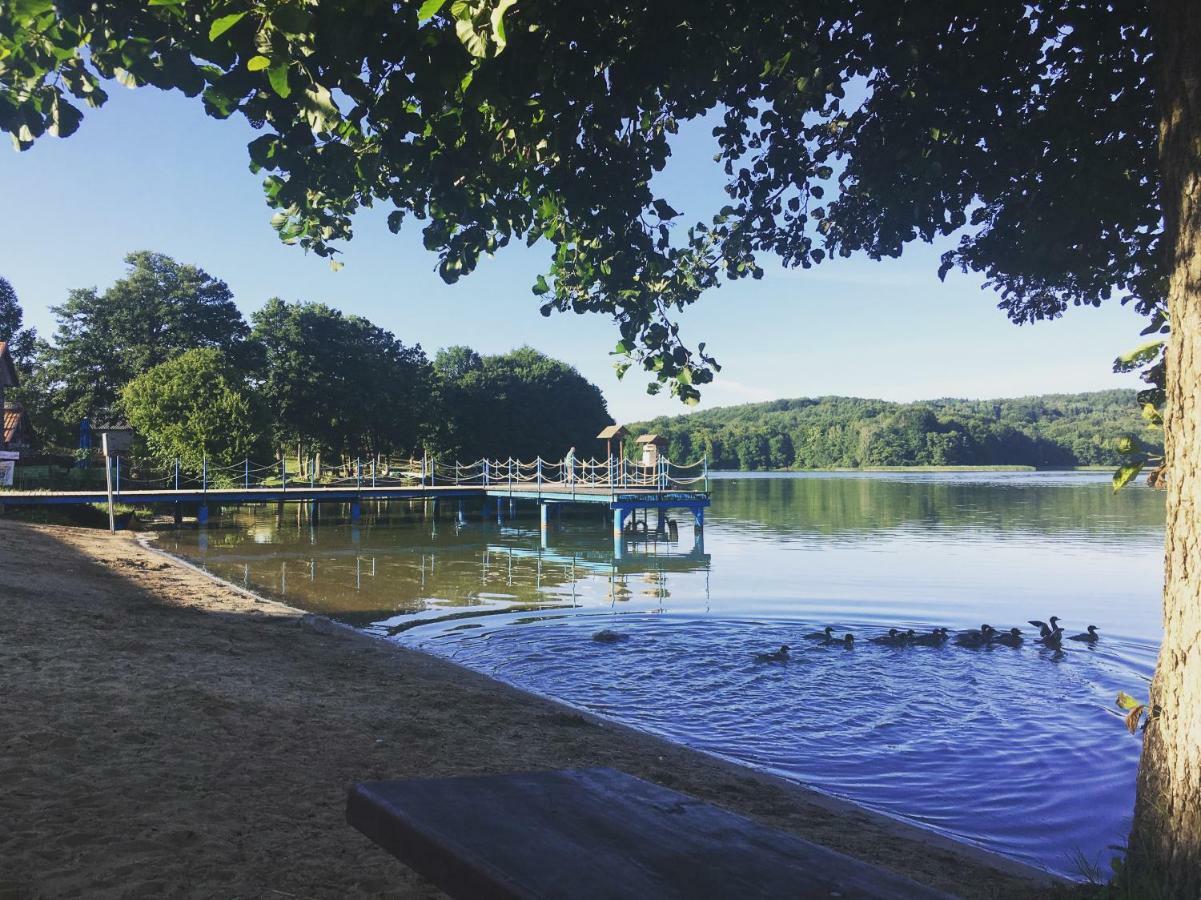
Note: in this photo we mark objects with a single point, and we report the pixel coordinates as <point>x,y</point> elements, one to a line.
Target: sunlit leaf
<point>429,9</point>
<point>1125,474</point>
<point>257,63</point>
<point>1125,701</point>
<point>223,24</point>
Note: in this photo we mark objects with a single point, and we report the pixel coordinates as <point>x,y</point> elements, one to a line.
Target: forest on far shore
<point>1048,431</point>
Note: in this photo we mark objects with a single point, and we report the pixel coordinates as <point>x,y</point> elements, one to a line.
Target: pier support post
<point>661,521</point>
<point>434,511</point>
<point>543,511</point>
<point>178,515</point>
<point>202,514</point>
<point>462,518</point>
<point>314,510</point>
<point>698,516</point>
<point>356,511</point>
<point>512,508</point>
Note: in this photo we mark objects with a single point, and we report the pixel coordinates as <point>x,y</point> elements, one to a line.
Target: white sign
<point>7,468</point>
<point>14,455</point>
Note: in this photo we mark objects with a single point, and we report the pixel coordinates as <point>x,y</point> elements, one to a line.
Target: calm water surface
<point>1016,750</point>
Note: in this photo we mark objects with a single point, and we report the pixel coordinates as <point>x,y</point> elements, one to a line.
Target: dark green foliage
<point>21,341</point>
<point>1027,130</point>
<point>521,404</point>
<point>828,432</point>
<point>197,407</point>
<point>340,385</point>
<point>158,310</point>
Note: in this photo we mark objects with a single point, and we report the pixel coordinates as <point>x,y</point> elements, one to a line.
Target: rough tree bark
<point>1165,842</point>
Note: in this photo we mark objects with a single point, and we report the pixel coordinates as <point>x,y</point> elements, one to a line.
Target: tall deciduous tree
<point>1061,143</point>
<point>21,341</point>
<point>522,404</point>
<point>340,385</point>
<point>160,309</point>
<point>194,407</point>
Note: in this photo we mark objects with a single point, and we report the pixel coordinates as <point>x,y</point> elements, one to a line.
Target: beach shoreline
<point>166,732</point>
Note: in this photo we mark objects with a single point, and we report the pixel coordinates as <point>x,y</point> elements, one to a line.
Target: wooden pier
<point>622,486</point>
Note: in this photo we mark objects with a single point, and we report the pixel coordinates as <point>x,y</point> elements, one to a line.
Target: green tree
<point>522,404</point>
<point>21,341</point>
<point>196,406</point>
<point>160,309</point>
<point>340,386</point>
<point>1060,142</point>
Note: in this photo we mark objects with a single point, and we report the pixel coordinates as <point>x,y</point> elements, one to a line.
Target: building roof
<point>8,371</point>
<point>613,431</point>
<point>656,439</point>
<point>16,425</point>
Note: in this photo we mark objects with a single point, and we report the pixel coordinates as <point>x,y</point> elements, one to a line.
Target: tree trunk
<point>1164,857</point>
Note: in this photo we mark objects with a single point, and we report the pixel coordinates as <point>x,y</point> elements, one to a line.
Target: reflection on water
<point>1014,749</point>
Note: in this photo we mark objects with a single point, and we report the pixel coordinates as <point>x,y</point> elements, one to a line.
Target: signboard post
<point>108,483</point>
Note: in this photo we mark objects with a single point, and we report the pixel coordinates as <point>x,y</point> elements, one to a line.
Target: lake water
<point>1018,750</point>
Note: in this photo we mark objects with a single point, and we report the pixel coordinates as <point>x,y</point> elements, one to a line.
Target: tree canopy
<point>521,404</point>
<point>339,384</point>
<point>1027,130</point>
<point>158,310</point>
<point>1055,430</point>
<point>196,406</point>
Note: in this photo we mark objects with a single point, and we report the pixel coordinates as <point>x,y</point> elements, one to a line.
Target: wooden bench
<point>588,834</point>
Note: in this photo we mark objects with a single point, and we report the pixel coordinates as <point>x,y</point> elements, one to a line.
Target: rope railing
<point>569,473</point>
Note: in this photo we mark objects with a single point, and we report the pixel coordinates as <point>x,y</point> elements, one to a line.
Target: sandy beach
<point>163,735</point>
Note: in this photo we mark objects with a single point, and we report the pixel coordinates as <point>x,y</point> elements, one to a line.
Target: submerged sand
<point>164,735</point>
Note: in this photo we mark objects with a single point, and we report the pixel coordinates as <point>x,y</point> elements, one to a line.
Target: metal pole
<point>204,473</point>
<point>283,473</point>
<point>358,474</point>
<point>177,474</point>
<point>246,473</point>
<point>118,459</point>
<point>108,484</point>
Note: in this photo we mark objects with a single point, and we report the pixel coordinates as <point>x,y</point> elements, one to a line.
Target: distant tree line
<point>834,432</point>
<point>166,350</point>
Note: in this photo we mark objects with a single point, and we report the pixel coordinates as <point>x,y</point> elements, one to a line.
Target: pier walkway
<point>619,484</point>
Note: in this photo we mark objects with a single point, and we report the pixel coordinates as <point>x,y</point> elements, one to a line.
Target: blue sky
<point>151,171</point>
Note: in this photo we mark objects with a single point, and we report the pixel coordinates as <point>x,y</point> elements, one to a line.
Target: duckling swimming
<point>826,634</point>
<point>935,638</point>
<point>1044,629</point>
<point>848,641</point>
<point>780,655</point>
<point>1090,636</point>
<point>1053,639</point>
<point>1011,638</point>
<point>975,637</point>
<point>895,638</point>
<point>605,636</point>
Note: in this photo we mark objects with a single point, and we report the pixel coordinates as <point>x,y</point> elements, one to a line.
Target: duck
<point>1089,636</point>
<point>780,655</point>
<point>895,638</point>
<point>848,641</point>
<point>934,639</point>
<point>1044,629</point>
<point>606,636</point>
<point>1053,639</point>
<point>826,634</point>
<point>975,637</point>
<point>1011,638</point>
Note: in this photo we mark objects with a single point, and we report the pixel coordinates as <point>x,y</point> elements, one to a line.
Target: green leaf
<point>335,265</point>
<point>223,24</point>
<point>429,9</point>
<point>1123,476</point>
<point>498,24</point>
<point>257,63</point>
<point>278,77</point>
<point>663,210</point>
<point>1125,701</point>
<point>540,286</point>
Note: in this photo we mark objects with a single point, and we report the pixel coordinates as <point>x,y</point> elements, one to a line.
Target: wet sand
<point>165,735</point>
